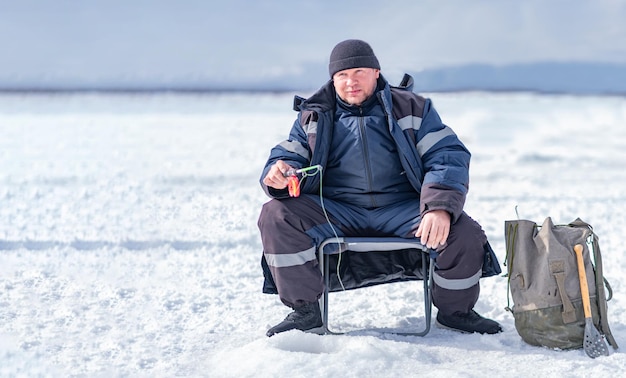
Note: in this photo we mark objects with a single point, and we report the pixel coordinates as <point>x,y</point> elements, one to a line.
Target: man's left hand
<point>434,228</point>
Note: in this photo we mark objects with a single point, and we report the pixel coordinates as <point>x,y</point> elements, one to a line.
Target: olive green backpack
<point>544,282</point>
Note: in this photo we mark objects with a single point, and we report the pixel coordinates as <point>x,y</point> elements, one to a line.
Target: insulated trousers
<point>292,228</point>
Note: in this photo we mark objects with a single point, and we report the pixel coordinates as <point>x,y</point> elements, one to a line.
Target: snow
<point>129,245</point>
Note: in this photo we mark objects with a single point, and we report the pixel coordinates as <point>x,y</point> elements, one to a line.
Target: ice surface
<point>129,245</point>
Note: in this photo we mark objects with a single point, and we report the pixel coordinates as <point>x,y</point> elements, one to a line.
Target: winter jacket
<point>435,161</point>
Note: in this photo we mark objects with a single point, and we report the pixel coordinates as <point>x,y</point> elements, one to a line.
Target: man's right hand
<point>275,178</point>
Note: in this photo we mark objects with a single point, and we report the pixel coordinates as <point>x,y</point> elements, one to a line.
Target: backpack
<point>543,280</point>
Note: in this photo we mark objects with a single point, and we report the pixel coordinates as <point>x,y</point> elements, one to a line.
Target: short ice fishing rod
<point>294,182</point>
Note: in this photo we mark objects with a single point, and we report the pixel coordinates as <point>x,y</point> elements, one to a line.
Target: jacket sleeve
<point>294,151</point>
<point>446,165</point>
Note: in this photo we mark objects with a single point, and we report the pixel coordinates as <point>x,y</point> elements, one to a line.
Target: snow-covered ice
<point>129,245</point>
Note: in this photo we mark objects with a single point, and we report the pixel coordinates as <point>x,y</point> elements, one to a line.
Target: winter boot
<point>304,318</point>
<point>467,323</point>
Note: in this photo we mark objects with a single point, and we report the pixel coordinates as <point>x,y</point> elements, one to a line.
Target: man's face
<point>355,85</point>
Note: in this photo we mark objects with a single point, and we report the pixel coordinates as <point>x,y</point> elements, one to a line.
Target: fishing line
<point>294,191</point>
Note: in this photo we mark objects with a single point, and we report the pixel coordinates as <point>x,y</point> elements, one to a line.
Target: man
<point>390,168</point>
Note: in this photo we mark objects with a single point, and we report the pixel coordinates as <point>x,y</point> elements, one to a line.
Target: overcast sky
<point>117,41</point>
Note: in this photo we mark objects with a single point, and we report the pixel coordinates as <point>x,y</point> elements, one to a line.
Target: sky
<point>248,43</point>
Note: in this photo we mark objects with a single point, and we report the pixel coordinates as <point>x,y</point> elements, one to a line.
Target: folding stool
<point>377,244</point>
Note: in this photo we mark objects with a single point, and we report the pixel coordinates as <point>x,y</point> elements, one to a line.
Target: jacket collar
<point>326,98</point>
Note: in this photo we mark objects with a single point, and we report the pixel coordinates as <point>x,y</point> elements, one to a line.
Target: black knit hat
<point>351,53</point>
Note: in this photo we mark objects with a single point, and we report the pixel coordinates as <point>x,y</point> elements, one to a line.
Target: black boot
<point>467,323</point>
<point>304,318</point>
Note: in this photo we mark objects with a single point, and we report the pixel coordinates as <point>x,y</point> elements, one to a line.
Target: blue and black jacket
<point>434,160</point>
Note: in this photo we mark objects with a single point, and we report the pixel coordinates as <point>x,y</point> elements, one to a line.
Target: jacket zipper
<point>368,168</point>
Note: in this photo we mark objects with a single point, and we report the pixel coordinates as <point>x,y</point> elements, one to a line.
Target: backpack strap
<point>557,268</point>
<point>511,235</point>
<point>601,283</point>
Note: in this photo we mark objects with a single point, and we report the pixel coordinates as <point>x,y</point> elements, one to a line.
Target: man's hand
<point>275,177</point>
<point>434,228</point>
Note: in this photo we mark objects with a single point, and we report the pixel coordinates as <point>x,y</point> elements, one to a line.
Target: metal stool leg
<point>427,269</point>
